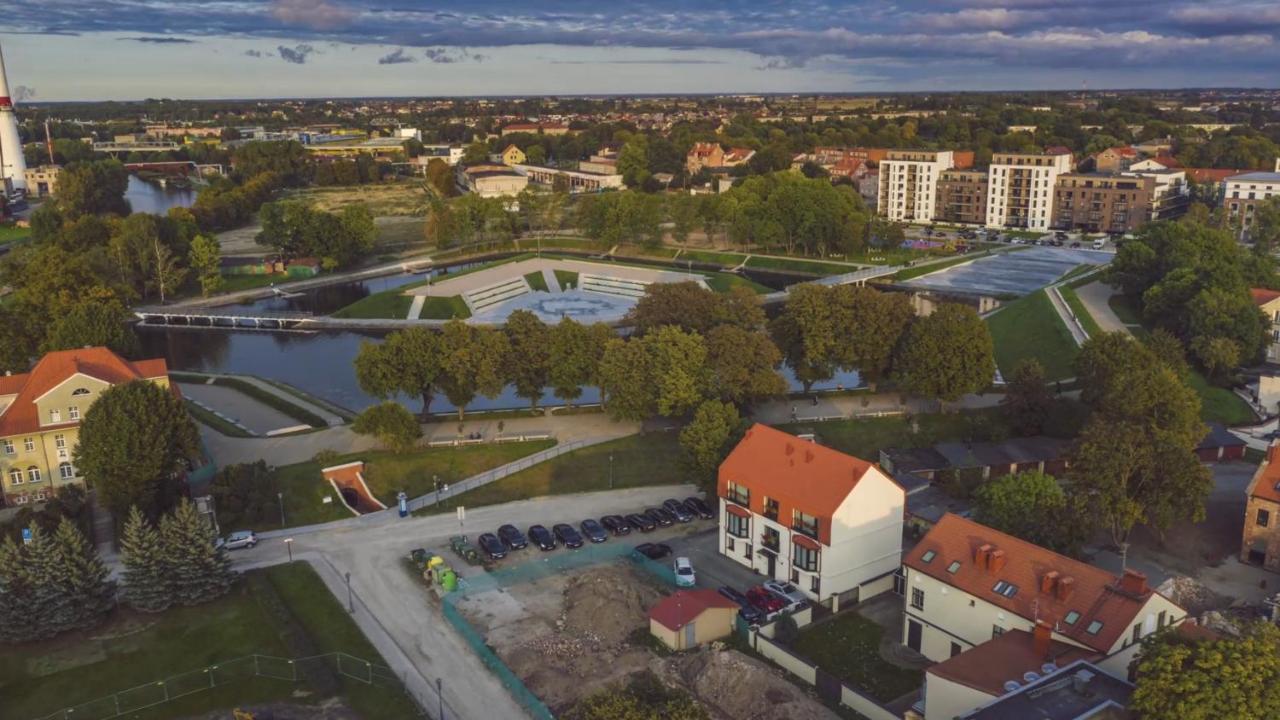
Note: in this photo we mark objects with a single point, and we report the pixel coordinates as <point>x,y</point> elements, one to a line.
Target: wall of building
<point>944,699</point>
<point>909,184</point>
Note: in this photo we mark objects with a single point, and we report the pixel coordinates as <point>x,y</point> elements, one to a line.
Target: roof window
<point>1094,627</point>
<point>1071,617</point>
<point>953,567</point>
<point>1006,589</point>
<point>928,556</point>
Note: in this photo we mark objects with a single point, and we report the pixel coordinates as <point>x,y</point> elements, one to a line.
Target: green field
<point>1030,327</point>
<point>848,646</point>
<point>1220,404</point>
<point>866,437</point>
<point>566,278</point>
<point>12,233</point>
<point>444,308</point>
<point>638,460</point>
<point>537,281</point>
<point>133,649</point>
<point>723,259</point>
<point>392,304</point>
<point>811,267</point>
<point>722,282</point>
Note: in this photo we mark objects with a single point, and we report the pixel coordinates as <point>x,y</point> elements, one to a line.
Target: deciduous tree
<point>206,261</point>
<point>103,323</point>
<point>394,426</point>
<point>1211,679</point>
<point>946,355</point>
<point>527,363</point>
<point>408,361</point>
<point>1028,400</point>
<point>743,364</point>
<point>708,438</point>
<point>471,360</point>
<point>1030,505</point>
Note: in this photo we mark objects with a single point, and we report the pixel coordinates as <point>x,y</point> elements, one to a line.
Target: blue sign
<point>26,536</point>
<point>404,504</point>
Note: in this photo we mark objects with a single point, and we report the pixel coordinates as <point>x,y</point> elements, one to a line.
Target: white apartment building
<point>909,183</point>
<point>1242,194</point>
<point>1020,189</point>
<point>796,511</point>
<point>966,584</point>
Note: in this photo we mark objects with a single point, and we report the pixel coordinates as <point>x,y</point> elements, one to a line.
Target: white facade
<point>1243,193</point>
<point>407,133</point>
<point>1020,189</point>
<point>451,154</point>
<point>909,183</point>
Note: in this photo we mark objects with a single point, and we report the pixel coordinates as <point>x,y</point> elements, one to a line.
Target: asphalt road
<point>393,609</point>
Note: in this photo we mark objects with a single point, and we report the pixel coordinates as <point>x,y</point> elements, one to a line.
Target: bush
<point>245,494</point>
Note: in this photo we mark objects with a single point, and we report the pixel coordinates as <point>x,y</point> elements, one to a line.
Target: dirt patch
<point>1192,595</point>
<point>332,709</point>
<point>736,686</point>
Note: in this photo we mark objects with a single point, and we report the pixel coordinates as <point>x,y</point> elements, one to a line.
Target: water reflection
<point>149,197</point>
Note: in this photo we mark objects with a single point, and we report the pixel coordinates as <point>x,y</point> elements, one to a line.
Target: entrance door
<point>771,561</point>
<point>690,636</point>
<point>913,635</point>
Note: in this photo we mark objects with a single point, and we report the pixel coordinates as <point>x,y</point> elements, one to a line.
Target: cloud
<point>254,53</point>
<point>22,92</point>
<point>396,57</point>
<point>313,14</point>
<point>297,54</point>
<point>161,40</point>
<point>451,55</point>
<point>660,61</point>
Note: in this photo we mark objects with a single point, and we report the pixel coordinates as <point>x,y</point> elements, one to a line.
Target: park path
<point>415,307</point>
<point>553,283</point>
<point>1096,297</point>
<point>1068,318</point>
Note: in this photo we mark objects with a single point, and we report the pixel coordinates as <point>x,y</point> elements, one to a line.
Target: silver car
<point>788,592</point>
<point>240,539</point>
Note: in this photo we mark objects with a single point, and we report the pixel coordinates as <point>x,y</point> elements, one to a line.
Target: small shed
<point>1220,445</point>
<point>688,618</point>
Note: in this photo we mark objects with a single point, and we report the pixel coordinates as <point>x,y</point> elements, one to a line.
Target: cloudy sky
<point>128,49</point>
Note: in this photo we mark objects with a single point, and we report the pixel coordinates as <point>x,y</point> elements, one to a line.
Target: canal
<point>149,197</point>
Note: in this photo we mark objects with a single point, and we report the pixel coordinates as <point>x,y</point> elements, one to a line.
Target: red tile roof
<point>987,667</point>
<point>1266,481</point>
<point>1094,593</point>
<point>799,474</point>
<point>21,416</point>
<point>684,606</point>
<point>1210,174</point>
<point>1262,296</point>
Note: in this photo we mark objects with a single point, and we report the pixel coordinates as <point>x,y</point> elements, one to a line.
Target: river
<point>151,198</point>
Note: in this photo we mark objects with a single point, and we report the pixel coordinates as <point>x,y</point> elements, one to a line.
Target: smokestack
<point>1133,582</point>
<point>13,167</point>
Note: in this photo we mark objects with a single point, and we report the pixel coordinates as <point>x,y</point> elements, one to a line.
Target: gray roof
<point>932,502</point>
<point>1079,690</point>
<point>1256,177</point>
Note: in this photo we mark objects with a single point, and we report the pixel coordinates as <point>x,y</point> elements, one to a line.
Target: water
<point>151,198</point>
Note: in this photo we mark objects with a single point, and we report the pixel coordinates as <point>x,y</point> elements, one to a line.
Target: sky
<point>130,49</point>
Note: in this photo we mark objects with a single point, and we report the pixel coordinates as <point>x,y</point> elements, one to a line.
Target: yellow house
<point>688,618</point>
<point>513,156</point>
<point>40,415</point>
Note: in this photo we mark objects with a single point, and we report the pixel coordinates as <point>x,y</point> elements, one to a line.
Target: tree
<point>394,426</point>
<point>946,355</point>
<point>572,356</point>
<point>17,622</point>
<point>408,361</point>
<point>873,324</point>
<point>471,360</point>
<point>440,178</point>
<point>52,611</point>
<point>1230,677</point>
<point>99,324</point>
<point>206,260</point>
<point>708,438</point>
<point>807,333</point>
<point>743,365</point>
<point>1030,505</point>
<point>146,586</point>
<point>625,370</point>
<point>136,442</point>
<point>1217,355</point>
<point>679,374</point>
<point>633,161</point>
<point>82,576</point>
<point>1028,400</point>
<point>1264,232</point>
<point>198,571</point>
<point>527,363</point>
<point>93,188</point>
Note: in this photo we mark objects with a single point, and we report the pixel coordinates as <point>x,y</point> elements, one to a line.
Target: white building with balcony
<point>1020,189</point>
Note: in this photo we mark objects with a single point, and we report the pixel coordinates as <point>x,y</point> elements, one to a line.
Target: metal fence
<point>230,672</point>
<point>498,473</point>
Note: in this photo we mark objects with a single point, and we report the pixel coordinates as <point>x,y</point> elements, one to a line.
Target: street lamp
<point>440,696</point>
<point>435,479</point>
<point>351,607</point>
<point>610,471</point>
<point>288,543</point>
<point>280,496</point>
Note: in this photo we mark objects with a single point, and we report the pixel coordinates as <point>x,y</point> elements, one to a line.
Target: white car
<point>1099,244</point>
<point>789,593</point>
<point>239,539</point>
<point>684,573</point>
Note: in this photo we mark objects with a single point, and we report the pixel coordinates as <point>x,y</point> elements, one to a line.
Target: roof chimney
<point>1133,582</point>
<point>997,561</point>
<point>1066,585</point>
<point>1047,582</point>
<point>1271,450</point>
<point>1042,636</point>
<point>980,556</point>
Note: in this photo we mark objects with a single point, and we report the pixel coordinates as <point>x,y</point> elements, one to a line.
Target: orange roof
<point>1266,481</point>
<point>1095,593</point>
<point>701,149</point>
<point>684,606</point>
<point>798,474</point>
<point>987,667</point>
<point>1209,174</point>
<point>54,368</point>
<point>1262,296</point>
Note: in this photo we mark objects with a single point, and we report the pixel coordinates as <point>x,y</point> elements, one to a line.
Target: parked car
<point>565,533</point>
<point>542,537</point>
<point>749,612</point>
<point>677,508</point>
<point>684,573</point>
<point>240,539</point>
<point>641,522</point>
<point>616,524</point>
<point>766,602</point>
<point>654,551</point>
<point>492,546</point>
<point>1075,244</point>
<point>660,517</point>
<point>699,507</point>
<point>511,536</point>
<point>593,531</point>
<point>1099,244</point>
<point>788,592</point>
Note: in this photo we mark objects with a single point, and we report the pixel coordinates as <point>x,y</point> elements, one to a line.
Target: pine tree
<point>52,610</point>
<point>198,571</point>
<point>146,585</point>
<point>90,594</point>
<point>17,623</point>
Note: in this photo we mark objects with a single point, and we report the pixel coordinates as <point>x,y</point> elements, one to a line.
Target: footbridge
<point>858,277</point>
<point>226,319</point>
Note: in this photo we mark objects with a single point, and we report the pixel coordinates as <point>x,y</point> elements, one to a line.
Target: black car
<point>641,522</point>
<point>616,524</point>
<point>654,551</point>
<point>492,546</point>
<point>677,508</point>
<point>593,530</point>
<point>567,535</point>
<point>749,612</point>
<point>659,516</point>
<point>698,507</point>
<point>511,536</point>
<point>542,537</point>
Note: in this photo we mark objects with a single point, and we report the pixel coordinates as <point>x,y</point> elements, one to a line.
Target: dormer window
<point>55,416</point>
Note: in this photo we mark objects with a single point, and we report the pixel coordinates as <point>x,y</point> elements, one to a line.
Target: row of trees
<point>175,563</point>
<point>294,229</point>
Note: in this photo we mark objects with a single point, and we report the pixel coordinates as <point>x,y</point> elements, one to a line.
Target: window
<point>928,556</point>
<point>8,447</point>
<point>1006,589</point>
<point>804,524</point>
<point>738,494</point>
<point>1071,618</point>
<point>814,584</point>
<point>29,444</point>
<point>55,416</point>
<point>73,412</point>
<point>60,440</point>
<point>955,649</point>
<point>917,598</point>
<point>79,391</point>
<point>65,471</point>
<point>804,558</point>
<point>771,508</point>
<point>737,526</point>
<point>953,567</point>
<point>1137,632</point>
<point>996,631</point>
<point>728,544</point>
<point>1264,518</point>
<point>1094,627</point>
<point>33,474</point>
<point>15,477</point>
<point>771,540</point>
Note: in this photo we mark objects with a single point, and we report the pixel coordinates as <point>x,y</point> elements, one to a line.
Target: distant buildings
<point>1097,202</point>
<point>491,180</point>
<point>42,180</point>
<point>536,129</point>
<point>512,155</point>
<point>575,181</point>
<point>712,157</point>
<point>1260,544</point>
<point>451,154</point>
<point>1268,301</point>
<point>1242,194</point>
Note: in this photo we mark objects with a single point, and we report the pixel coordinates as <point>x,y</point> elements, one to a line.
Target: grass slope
<point>1077,306</point>
<point>866,437</point>
<point>1029,327</point>
<point>537,281</point>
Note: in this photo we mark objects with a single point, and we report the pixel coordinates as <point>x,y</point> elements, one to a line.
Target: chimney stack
<point>1065,586</point>
<point>998,560</point>
<point>1048,581</point>
<point>981,555</point>
<point>1133,582</point>
<point>1042,636</point>
<point>1271,450</point>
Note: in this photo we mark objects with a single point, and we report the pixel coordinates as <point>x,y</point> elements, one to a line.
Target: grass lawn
<point>1220,404</point>
<point>723,259</point>
<point>444,308</point>
<point>866,437</point>
<point>1124,310</point>
<point>1029,327</point>
<point>722,282</point>
<point>638,460</point>
<point>12,233</point>
<point>244,281</point>
<point>913,272</point>
<point>385,304</point>
<point>402,197</point>
<point>1077,307</point>
<point>848,647</point>
<point>812,267</point>
<point>132,649</point>
<point>537,281</point>
<point>566,278</point>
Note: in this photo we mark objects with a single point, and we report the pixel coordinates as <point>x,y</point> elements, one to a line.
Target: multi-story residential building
<point>1260,544</point>
<point>1102,202</point>
<point>1114,160</point>
<point>965,583</point>
<point>1268,302</point>
<point>40,415</point>
<point>1242,194</point>
<point>962,197</point>
<point>1020,189</point>
<point>794,510</point>
<point>909,183</point>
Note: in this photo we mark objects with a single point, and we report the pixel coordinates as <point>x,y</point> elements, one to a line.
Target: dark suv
<point>511,536</point>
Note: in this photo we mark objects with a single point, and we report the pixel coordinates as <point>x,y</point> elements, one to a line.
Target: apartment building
<point>1102,202</point>
<point>1242,194</point>
<point>909,183</point>
<point>794,510</point>
<point>1020,188</point>
<point>962,197</point>
<point>966,583</point>
<point>40,415</point>
<point>1260,544</point>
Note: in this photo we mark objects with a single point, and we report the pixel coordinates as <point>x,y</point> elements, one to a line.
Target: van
<point>1099,244</point>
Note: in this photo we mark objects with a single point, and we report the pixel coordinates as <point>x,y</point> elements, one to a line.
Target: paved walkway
<point>549,276</point>
<point>331,418</point>
<point>1078,333</point>
<point>415,307</point>
<point>1096,297</point>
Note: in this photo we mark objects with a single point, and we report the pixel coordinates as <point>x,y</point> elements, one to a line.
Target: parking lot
<point>1010,273</point>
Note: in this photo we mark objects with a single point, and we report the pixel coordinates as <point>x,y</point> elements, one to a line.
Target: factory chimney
<point>13,167</point>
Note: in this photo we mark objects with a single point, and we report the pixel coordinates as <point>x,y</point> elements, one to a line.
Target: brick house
<point>1260,544</point>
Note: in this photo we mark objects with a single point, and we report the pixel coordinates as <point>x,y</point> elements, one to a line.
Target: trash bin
<point>448,580</point>
<point>403,500</point>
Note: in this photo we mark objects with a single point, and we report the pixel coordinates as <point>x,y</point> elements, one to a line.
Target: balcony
<point>770,542</point>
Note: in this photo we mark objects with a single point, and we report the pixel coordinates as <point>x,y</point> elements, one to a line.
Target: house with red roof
<point>1260,544</point>
<point>1268,301</point>
<point>966,583</point>
<point>40,415</point>
<point>689,618</point>
<point>793,510</point>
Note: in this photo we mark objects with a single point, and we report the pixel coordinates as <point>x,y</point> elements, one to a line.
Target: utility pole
<point>610,471</point>
<point>280,497</point>
<point>440,697</point>
<point>351,606</point>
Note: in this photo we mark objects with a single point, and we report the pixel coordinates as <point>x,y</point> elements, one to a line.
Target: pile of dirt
<point>1192,595</point>
<point>741,687</point>
<point>606,604</point>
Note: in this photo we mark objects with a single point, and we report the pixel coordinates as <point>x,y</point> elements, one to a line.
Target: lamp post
<point>288,543</point>
<point>435,479</point>
<point>610,471</point>
<point>351,606</point>
<point>280,497</point>
<point>440,697</point>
